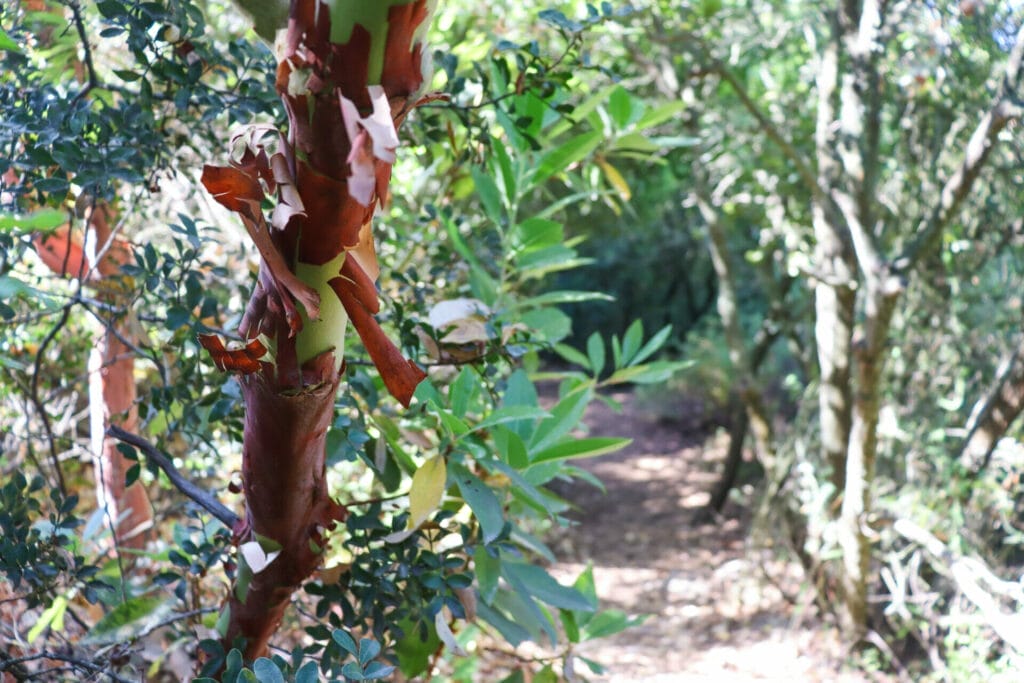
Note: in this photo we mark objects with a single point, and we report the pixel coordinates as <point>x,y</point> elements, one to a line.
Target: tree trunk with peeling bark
<point>97,258</point>
<point>349,73</point>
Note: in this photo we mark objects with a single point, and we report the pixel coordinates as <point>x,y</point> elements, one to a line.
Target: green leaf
<point>651,373</point>
<point>624,108</point>
<point>561,297</point>
<point>581,448</point>
<point>414,654</point>
<point>510,630</point>
<point>586,585</point>
<point>536,233</point>
<point>572,355</point>
<point>543,586</point>
<point>126,620</point>
<point>565,416</point>
<point>653,345</point>
<point>520,391</point>
<point>487,570</point>
<point>368,650</point>
<point>353,671</point>
<point>481,500</point>
<point>511,447</point>
<point>482,285</point>
<point>462,390</point>
<point>565,155</point>
<point>308,673</point>
<point>595,352</point>
<point>7,43</point>
<point>345,641</point>
<point>608,623</point>
<point>52,617</point>
<point>266,671</point>
<point>661,114</point>
<point>376,670</point>
<point>490,197</point>
<point>507,173</point>
<point>41,220</point>
<point>511,414</point>
<point>631,342</point>
<point>551,324</point>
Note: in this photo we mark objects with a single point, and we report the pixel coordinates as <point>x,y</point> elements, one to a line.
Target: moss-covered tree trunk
<point>348,74</point>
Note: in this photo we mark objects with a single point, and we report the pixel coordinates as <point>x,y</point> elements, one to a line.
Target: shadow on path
<point>714,613</point>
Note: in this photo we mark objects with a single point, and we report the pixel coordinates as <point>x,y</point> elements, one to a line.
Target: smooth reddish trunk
<point>97,259</point>
<point>112,401</point>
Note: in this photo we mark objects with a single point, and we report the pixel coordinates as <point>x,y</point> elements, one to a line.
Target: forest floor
<point>721,610</point>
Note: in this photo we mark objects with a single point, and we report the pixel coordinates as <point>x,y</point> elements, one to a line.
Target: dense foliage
<point>816,203</point>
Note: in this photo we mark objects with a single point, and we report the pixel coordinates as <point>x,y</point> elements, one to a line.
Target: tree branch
<point>803,169</point>
<point>201,496</point>
<point>1007,107</point>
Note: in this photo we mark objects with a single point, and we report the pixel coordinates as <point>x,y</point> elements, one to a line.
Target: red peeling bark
<point>311,176</point>
<point>111,367</point>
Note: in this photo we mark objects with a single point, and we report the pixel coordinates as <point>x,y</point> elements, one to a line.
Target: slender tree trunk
<point>98,258</point>
<point>994,414</point>
<point>112,401</point>
<point>349,73</point>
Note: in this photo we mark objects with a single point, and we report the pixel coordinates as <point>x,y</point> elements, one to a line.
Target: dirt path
<point>715,616</point>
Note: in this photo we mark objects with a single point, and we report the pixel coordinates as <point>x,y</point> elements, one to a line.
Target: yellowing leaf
<point>616,179</point>
<point>428,485</point>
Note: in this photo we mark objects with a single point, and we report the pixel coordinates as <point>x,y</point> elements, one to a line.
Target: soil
<point>720,609</point>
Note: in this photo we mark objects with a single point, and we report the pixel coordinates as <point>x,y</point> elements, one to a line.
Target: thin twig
<point>201,496</point>
<point>94,81</point>
<point>38,404</point>
<point>74,661</point>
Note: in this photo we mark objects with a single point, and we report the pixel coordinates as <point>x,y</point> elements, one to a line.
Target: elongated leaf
<point>482,501</point>
<point>428,486</point>
<point>609,622</point>
<point>126,620</point>
<point>7,43</point>
<point>632,341</point>
<point>581,448</point>
<point>510,630</point>
<point>572,355</point>
<point>651,373</point>
<point>42,220</point>
<point>595,352</point>
<point>660,114</point>
<point>52,617</point>
<point>488,192</point>
<point>652,345</point>
<point>564,417</point>
<point>616,180</point>
<point>345,641</point>
<point>511,414</point>
<point>565,155</point>
<point>487,570</point>
<point>544,587</point>
<point>561,297</point>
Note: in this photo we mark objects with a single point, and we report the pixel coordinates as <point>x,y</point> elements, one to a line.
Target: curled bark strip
<point>401,376</point>
<point>245,360</point>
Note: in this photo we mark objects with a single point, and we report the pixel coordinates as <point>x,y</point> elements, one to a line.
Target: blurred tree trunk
<point>97,258</point>
<point>994,414</point>
<point>349,72</point>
